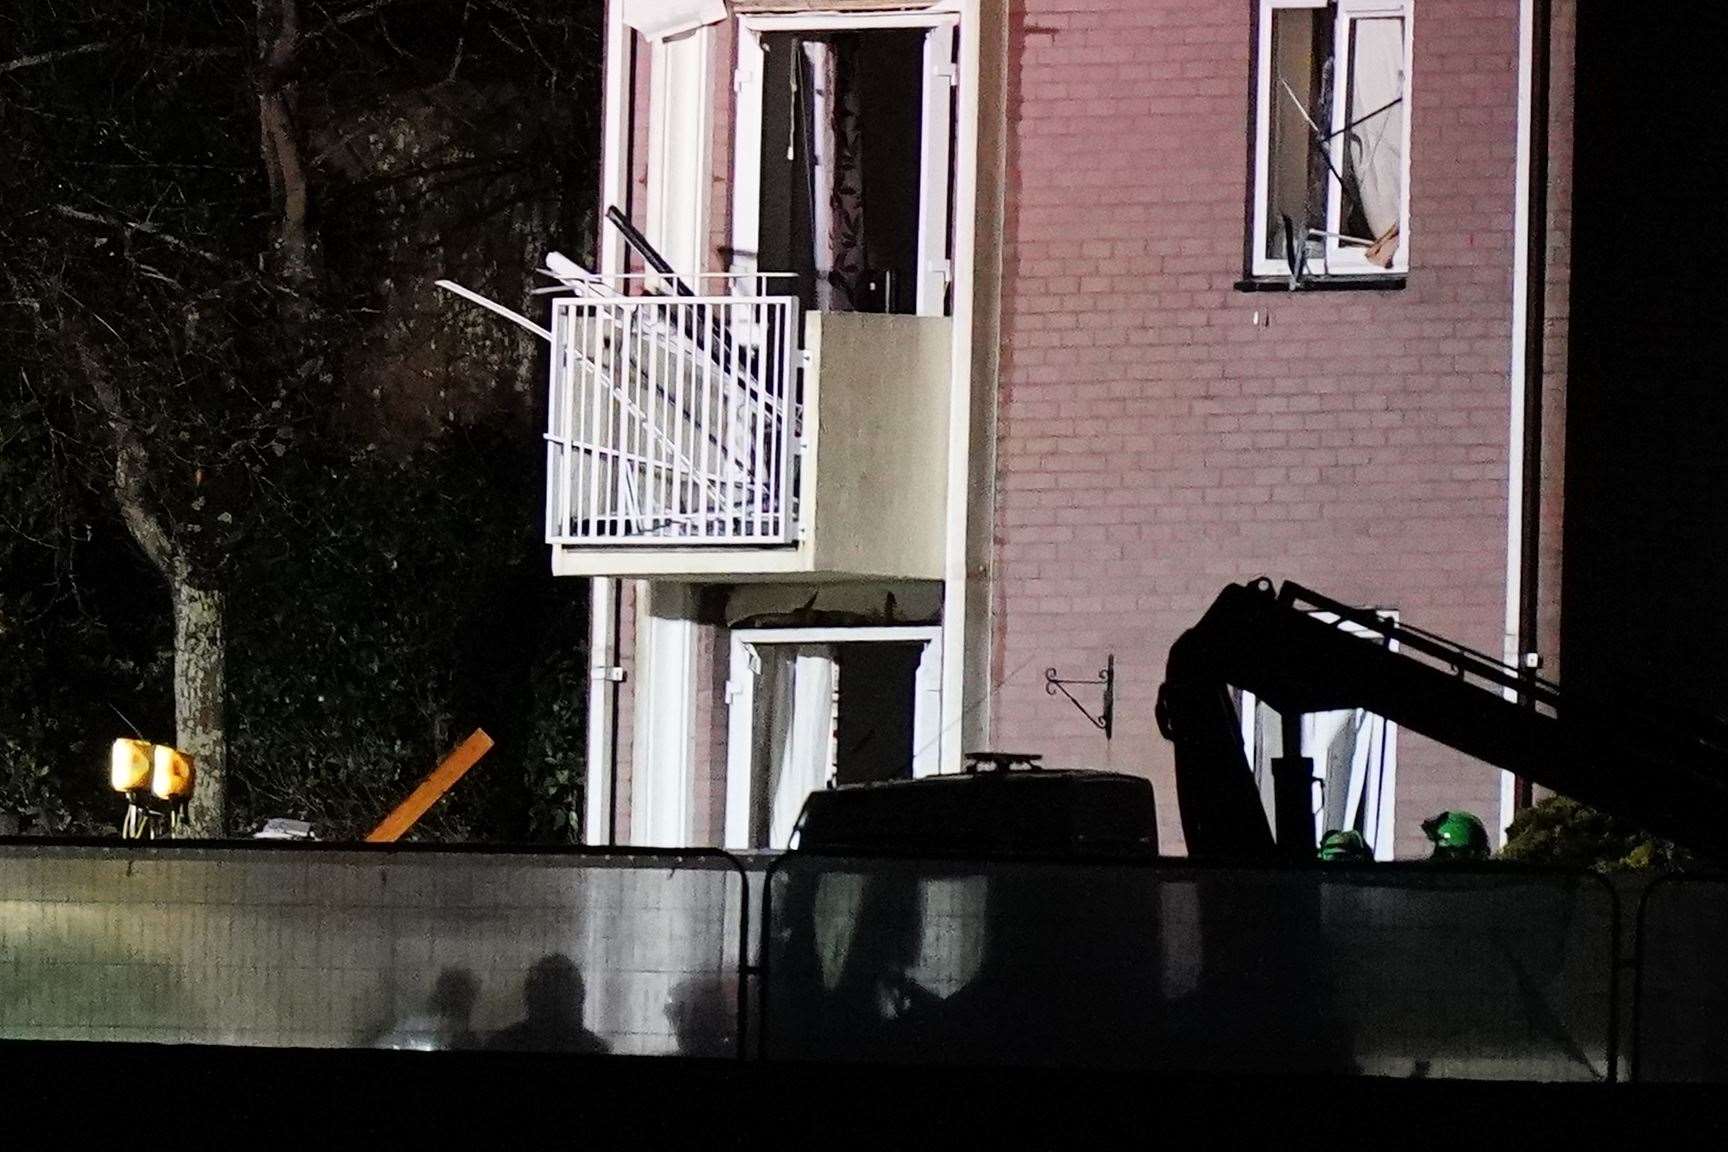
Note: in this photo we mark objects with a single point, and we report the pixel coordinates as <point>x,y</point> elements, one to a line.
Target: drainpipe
<point>605,596</point>
<point>1535,333</point>
<point>1529,322</point>
<point>600,803</point>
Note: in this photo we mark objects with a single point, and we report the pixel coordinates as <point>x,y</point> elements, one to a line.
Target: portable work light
<point>157,782</point>
<point>130,766</point>
<point>172,776</point>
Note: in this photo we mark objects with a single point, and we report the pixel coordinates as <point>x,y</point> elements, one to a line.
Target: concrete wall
<point>1162,433</point>
<point>876,493</point>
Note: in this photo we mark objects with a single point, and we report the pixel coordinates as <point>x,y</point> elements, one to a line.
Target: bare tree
<point>175,166</point>
<point>176,306</point>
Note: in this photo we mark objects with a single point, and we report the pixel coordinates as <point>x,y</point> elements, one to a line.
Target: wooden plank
<point>431,789</point>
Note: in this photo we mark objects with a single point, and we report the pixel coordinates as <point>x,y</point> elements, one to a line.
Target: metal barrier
<point>1393,970</point>
<point>635,952</point>
<point>1491,973</point>
<point>1680,990</point>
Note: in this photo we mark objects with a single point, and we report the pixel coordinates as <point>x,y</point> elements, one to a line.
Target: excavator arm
<point>1666,773</point>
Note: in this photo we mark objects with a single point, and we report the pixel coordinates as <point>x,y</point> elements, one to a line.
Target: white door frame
<point>680,139</point>
<point>938,148</point>
<point>1379,792</point>
<point>662,778</point>
<point>741,702</point>
<point>746,218</point>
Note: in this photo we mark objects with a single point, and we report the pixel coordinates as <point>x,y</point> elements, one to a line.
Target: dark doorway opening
<point>878,696</point>
<point>842,124</point>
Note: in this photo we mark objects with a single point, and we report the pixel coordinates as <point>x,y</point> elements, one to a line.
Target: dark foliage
<point>1566,834</point>
<point>408,604</point>
<point>348,454</point>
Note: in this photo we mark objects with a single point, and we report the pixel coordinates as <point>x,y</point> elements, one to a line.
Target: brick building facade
<point>1163,432</point>
<point>1136,418</point>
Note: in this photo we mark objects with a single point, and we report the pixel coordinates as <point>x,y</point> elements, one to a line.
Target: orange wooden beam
<point>431,789</point>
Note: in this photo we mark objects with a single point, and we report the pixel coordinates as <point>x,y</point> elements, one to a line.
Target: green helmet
<point>1344,846</point>
<point>1456,836</point>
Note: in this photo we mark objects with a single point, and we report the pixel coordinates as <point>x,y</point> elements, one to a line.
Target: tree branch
<point>287,43</point>
<point>54,56</point>
<point>151,230</point>
<point>279,143</point>
<point>362,11</point>
<point>131,465</point>
<point>59,54</point>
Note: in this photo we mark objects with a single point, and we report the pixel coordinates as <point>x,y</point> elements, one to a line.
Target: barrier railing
<point>673,420</point>
<point>1389,970</point>
<point>1680,987</point>
<point>309,947</point>
<point>1403,971</point>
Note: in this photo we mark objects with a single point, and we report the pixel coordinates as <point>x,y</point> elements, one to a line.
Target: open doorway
<point>810,708</point>
<point>1355,754</point>
<point>844,162</point>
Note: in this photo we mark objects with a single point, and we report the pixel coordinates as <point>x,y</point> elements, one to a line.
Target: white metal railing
<point>673,419</point>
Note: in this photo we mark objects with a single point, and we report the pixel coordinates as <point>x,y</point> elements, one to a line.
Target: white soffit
<point>783,7</point>
<point>658,19</point>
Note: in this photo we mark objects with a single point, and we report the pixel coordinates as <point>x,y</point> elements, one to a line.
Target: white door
<point>941,75</point>
<point>935,149</point>
<point>783,698</point>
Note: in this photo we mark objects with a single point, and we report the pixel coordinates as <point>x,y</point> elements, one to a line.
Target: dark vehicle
<point>913,914</point>
<point>1005,805</point>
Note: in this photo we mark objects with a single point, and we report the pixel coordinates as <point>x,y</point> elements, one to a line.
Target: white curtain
<point>1377,144</point>
<point>819,58</point>
<point>797,688</point>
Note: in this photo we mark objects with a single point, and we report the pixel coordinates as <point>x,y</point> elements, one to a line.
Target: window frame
<point>1337,261</point>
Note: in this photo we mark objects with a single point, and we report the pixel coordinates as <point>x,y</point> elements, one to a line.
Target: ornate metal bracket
<point>1106,679</point>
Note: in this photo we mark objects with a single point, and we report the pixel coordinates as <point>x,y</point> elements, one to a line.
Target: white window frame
<point>1385,798</point>
<point>939,149</point>
<point>741,703</point>
<point>1338,259</point>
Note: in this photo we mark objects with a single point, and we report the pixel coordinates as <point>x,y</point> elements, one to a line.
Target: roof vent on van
<point>1001,762</point>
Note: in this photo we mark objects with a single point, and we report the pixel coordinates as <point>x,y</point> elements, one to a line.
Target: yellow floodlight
<point>172,777</point>
<point>129,766</point>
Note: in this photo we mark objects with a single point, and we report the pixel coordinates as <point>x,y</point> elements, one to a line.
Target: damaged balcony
<point>735,437</point>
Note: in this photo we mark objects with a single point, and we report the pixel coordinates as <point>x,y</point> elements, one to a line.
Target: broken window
<point>1332,137</point>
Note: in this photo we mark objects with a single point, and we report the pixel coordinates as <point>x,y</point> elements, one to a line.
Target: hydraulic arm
<point>1667,773</point>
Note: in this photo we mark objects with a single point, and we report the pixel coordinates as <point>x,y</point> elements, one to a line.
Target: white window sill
<point>1351,282</point>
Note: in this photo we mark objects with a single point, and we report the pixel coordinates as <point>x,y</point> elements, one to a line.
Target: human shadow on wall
<point>552,1000</point>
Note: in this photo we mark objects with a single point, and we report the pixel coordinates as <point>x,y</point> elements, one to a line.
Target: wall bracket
<point>1105,720</point>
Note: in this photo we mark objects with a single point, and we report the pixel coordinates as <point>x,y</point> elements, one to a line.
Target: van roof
<point>1041,812</point>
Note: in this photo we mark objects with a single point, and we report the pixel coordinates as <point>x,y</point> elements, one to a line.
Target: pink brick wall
<point>1162,434</point>
<point>713,668</point>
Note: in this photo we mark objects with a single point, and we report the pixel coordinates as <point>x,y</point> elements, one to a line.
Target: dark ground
<point>268,1098</point>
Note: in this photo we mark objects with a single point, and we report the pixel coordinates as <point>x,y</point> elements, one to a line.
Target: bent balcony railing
<point>673,421</point>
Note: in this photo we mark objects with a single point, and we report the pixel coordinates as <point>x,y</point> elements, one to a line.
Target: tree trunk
<point>280,140</point>
<point>200,644</point>
<point>200,649</point>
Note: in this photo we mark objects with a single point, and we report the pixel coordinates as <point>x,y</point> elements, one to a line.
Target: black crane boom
<point>1666,772</point>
